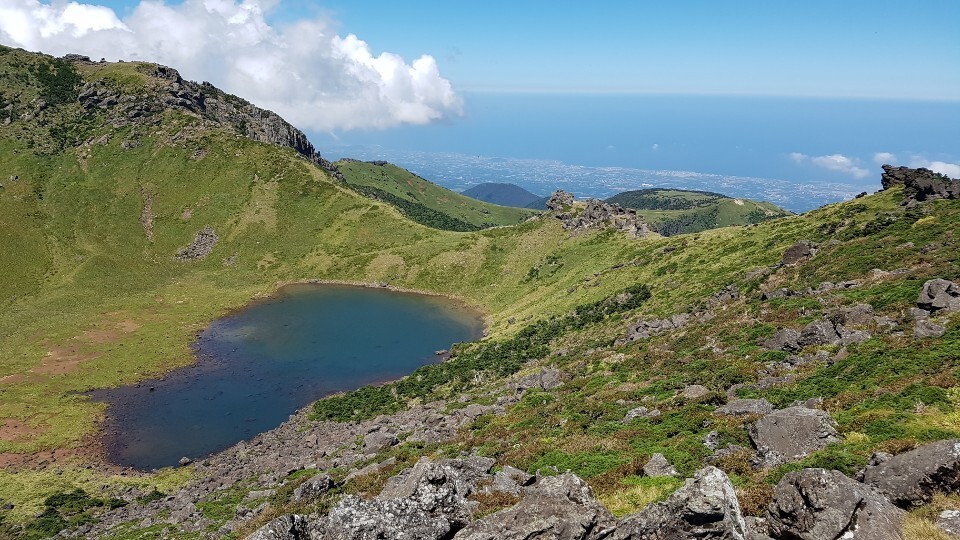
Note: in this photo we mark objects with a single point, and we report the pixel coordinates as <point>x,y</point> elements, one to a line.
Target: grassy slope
<point>679,211</point>
<point>406,185</point>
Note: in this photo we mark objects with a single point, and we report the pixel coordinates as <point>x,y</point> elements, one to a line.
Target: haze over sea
<point>799,153</point>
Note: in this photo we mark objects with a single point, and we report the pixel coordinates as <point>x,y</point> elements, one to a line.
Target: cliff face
<point>171,91</point>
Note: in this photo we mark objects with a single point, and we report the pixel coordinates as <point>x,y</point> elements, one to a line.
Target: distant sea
<point>598,145</point>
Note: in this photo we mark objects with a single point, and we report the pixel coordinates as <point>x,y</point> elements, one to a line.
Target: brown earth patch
<point>15,429</point>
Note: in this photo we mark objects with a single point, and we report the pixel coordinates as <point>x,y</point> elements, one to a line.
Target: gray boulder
<point>819,332</point>
<point>817,504</point>
<point>426,502</point>
<point>799,252</point>
<point>746,407</point>
<point>659,466</point>
<point>289,527</point>
<point>949,522</point>
<point>786,339</point>
<point>705,507</point>
<point>202,245</point>
<point>911,478</point>
<point>640,412</point>
<point>555,508</point>
<point>925,328</point>
<point>939,295</point>
<point>695,391</point>
<point>559,200</point>
<point>312,488</point>
<point>791,434</point>
<point>378,441</point>
<point>545,379</point>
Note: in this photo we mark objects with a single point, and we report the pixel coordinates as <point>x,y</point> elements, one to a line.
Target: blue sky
<point>838,48</point>
<point>889,49</point>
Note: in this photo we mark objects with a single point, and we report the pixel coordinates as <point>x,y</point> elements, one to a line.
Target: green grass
<point>425,202</point>
<point>676,211</point>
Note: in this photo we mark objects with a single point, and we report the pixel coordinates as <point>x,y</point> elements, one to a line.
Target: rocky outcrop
<point>799,252</point>
<point>785,339</point>
<point>746,407</point>
<point>939,295</point>
<point>288,527</point>
<point>640,412</point>
<point>555,508</point>
<point>791,434</point>
<point>817,504</point>
<point>911,478</point>
<point>919,185</point>
<point>705,507</point>
<point>560,201</point>
<point>201,246</point>
<point>596,215</point>
<point>172,92</point>
<point>659,466</point>
<point>425,502</point>
<point>545,379</point>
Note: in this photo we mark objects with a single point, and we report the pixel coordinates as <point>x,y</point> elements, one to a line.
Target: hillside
<point>132,216</point>
<point>674,211</point>
<point>423,201</point>
<point>503,194</point>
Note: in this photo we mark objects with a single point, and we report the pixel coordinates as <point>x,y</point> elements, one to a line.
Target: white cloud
<point>655,147</point>
<point>950,169</point>
<point>304,71</point>
<point>884,158</point>
<point>834,162</point>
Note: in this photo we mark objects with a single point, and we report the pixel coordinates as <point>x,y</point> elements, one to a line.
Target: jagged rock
<point>728,294</point>
<point>597,214</point>
<point>911,478</point>
<point>202,245</point>
<point>827,332</point>
<point>288,527</point>
<point>545,379</point>
<point>746,407</point>
<point>659,466</point>
<point>184,461</point>
<point>919,184</point>
<point>801,251</point>
<point>425,502</point>
<point>377,441</point>
<point>949,522</point>
<point>555,508</point>
<point>786,339</point>
<point>640,412</point>
<point>854,315</point>
<point>817,504</point>
<point>939,295</point>
<point>509,480</point>
<point>559,200</point>
<point>924,328</point>
<point>695,391</point>
<point>313,488</point>
<point>705,507</point>
<point>790,434</point>
<point>712,440</point>
<point>757,528</point>
<point>643,328</point>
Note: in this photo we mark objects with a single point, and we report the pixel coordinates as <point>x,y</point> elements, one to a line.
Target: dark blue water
<point>262,363</point>
<point>571,141</point>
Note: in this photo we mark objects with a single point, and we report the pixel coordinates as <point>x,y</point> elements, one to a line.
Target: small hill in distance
<point>677,211</point>
<point>504,194</point>
<point>423,201</point>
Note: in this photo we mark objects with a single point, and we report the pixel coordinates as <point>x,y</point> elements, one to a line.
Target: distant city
<point>460,171</point>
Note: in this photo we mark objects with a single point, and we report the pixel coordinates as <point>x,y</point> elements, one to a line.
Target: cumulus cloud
<point>305,71</point>
<point>950,169</point>
<point>834,162</point>
<point>884,158</point>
